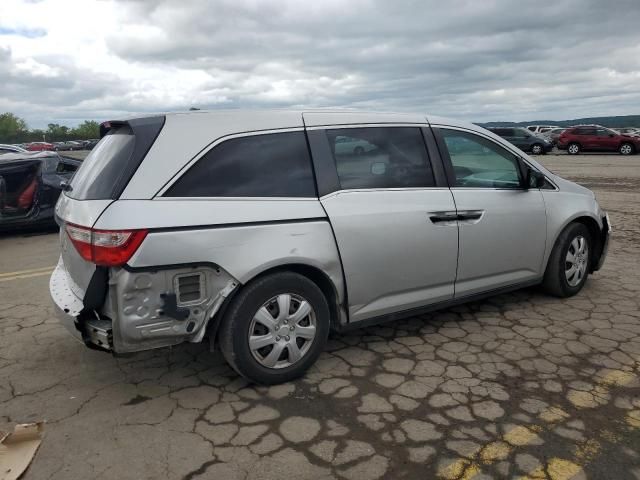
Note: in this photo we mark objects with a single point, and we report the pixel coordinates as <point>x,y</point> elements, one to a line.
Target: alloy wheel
<point>536,150</point>
<point>282,331</point>
<point>626,149</point>
<point>576,261</point>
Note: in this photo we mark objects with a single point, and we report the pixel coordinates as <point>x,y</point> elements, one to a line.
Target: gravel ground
<point>519,385</point>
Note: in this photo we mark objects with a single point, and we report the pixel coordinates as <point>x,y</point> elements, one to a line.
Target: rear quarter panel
<point>245,237</point>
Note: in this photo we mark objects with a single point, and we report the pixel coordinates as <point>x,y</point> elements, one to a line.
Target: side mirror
<point>534,179</point>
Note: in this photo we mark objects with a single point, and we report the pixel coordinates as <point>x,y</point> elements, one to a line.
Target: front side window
<point>269,165</point>
<point>585,131</point>
<point>480,163</point>
<point>380,157</point>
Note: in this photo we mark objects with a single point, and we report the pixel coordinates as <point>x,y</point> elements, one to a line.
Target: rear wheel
<point>537,149</point>
<point>573,149</point>
<point>626,149</point>
<point>568,266</point>
<point>275,328</point>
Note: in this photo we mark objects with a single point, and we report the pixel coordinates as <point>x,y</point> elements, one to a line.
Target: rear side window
<point>380,157</point>
<point>268,165</point>
<point>103,167</point>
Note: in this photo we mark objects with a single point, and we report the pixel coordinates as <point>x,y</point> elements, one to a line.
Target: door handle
<point>470,215</point>
<point>451,216</point>
<point>439,217</point>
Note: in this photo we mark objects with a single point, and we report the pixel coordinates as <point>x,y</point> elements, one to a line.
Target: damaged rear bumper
<point>143,309</point>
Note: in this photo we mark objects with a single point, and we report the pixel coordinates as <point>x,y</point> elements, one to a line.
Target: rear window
<point>266,165</point>
<point>100,172</point>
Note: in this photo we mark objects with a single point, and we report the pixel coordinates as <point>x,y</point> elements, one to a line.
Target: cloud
<point>495,59</point>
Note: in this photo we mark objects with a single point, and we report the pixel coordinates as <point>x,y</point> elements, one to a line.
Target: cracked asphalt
<point>517,386</point>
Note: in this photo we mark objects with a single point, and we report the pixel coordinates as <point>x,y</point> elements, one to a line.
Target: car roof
<point>186,134</point>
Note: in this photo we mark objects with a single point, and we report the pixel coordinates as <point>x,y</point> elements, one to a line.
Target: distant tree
<point>57,133</point>
<point>12,128</point>
<point>37,135</point>
<point>86,130</point>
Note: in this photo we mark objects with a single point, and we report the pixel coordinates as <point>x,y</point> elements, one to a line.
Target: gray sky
<point>69,60</point>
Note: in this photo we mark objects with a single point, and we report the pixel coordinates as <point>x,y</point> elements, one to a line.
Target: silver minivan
<point>261,231</point>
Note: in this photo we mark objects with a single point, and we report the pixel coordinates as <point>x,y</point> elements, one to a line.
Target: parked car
<point>524,139</point>
<point>89,144</point>
<point>633,131</point>
<point>4,148</point>
<point>30,184</point>
<point>68,145</point>
<point>552,135</point>
<point>247,229</point>
<point>595,138</point>
<point>40,146</point>
<point>541,128</point>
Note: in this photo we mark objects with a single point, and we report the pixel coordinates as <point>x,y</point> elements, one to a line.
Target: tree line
<point>14,129</point>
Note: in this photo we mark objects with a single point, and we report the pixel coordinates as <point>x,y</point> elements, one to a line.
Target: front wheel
<point>275,328</point>
<point>626,149</point>
<point>568,266</point>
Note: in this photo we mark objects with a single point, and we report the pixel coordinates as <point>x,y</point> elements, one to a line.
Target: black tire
<point>626,149</point>
<point>573,148</point>
<point>555,280</point>
<point>234,330</point>
<point>537,149</point>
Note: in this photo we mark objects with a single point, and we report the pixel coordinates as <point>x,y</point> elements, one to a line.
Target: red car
<point>39,146</point>
<point>594,138</point>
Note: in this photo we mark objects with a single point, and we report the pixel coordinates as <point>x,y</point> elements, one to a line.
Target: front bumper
<point>605,236</point>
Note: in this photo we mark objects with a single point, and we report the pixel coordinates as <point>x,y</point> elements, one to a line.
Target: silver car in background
<point>263,230</point>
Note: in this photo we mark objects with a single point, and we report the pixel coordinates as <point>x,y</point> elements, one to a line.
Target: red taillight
<point>110,248</point>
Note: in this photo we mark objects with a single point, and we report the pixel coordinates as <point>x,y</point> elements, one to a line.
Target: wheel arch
<point>630,143</point>
<point>338,315</point>
<point>595,230</point>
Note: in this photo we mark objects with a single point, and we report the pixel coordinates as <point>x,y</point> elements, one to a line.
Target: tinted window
<point>605,132</point>
<point>270,165</point>
<point>381,157</point>
<point>101,170</point>
<point>585,131</point>
<point>5,150</point>
<point>503,132</point>
<point>480,163</point>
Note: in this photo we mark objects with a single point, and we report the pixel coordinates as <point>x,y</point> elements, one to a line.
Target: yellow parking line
<point>28,275</point>
<point>557,468</point>
<point>22,272</point>
<point>560,469</point>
